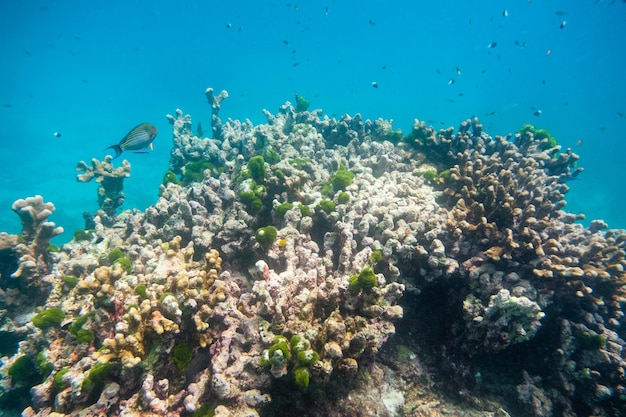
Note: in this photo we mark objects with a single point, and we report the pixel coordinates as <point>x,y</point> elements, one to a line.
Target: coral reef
<point>310,260</point>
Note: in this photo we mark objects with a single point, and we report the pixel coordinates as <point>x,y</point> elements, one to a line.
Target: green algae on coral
<point>301,376</point>
<point>265,236</point>
<point>80,235</point>
<point>181,356</point>
<point>282,351</point>
<point>281,209</point>
<point>84,336</point>
<point>58,383</point>
<point>70,280</point>
<point>590,340</point>
<point>194,171</point>
<point>393,136</point>
<point>376,256</point>
<point>115,254</point>
<point>271,156</point>
<point>327,206</point>
<point>342,179</point>
<point>256,168</point>
<point>52,248</point>
<point>44,366</point>
<point>343,198</point>
<point>430,175</point>
<point>141,290</point>
<point>542,135</point>
<point>23,371</point>
<point>48,318</point>
<point>79,322</point>
<point>281,343</point>
<point>365,280</point>
<point>204,411</point>
<point>302,104</point>
<point>171,177</point>
<point>305,210</point>
<point>307,357</point>
<point>98,375</point>
<point>251,196</point>
<point>126,263</point>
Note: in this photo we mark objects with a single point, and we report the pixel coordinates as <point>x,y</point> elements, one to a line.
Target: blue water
<point>93,70</point>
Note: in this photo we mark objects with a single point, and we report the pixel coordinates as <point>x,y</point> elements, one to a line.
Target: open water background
<point>93,70</point>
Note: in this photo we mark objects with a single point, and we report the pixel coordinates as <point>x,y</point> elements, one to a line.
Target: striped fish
<point>138,139</point>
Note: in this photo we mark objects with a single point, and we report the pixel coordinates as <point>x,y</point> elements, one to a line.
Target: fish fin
<point>140,151</point>
<point>117,149</point>
<point>151,146</point>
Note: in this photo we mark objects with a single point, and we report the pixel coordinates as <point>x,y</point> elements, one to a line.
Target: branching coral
<point>31,251</point>
<point>110,180</point>
<point>216,105</point>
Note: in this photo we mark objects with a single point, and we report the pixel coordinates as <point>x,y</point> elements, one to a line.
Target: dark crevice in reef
<point>433,320</point>
<point>8,343</point>
<point>321,226</point>
<point>429,317</point>
<point>8,265</point>
<point>290,400</point>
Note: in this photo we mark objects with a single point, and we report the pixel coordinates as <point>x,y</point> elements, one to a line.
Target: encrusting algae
<point>278,274</point>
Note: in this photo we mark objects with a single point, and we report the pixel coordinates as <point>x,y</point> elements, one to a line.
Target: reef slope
<point>314,266</point>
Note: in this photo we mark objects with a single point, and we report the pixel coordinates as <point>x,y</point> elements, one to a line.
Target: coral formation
<point>281,277</point>
<point>110,183</point>
<point>216,105</point>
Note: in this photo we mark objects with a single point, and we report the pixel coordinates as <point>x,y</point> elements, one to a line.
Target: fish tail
<point>117,149</point>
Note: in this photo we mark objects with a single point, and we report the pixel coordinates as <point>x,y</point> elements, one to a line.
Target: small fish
<point>139,138</point>
<point>326,11</point>
<point>492,45</point>
<point>549,52</point>
<point>580,142</point>
<point>505,13</point>
<point>560,13</point>
<point>620,114</point>
<point>229,25</point>
<point>374,84</point>
<point>458,71</point>
<point>7,105</point>
<point>451,81</point>
<point>537,113</point>
<point>285,42</point>
<point>371,22</point>
<point>563,23</point>
<point>56,134</point>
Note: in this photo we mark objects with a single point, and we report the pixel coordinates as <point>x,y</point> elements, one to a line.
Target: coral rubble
<point>309,258</point>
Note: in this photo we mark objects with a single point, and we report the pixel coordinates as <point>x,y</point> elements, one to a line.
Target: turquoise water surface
<point>93,70</point>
